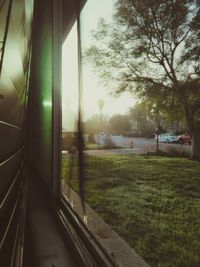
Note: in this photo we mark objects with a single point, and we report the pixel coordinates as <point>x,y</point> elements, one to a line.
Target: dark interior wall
<point>40,97</point>
<point>70,10</point>
<point>13,81</point>
<point>52,22</point>
<point>13,91</point>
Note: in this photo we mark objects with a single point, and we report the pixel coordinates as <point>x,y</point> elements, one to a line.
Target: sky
<point>92,90</point>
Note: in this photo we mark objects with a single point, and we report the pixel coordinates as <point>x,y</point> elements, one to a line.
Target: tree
<point>94,125</point>
<point>143,120</point>
<point>153,48</point>
<point>119,124</point>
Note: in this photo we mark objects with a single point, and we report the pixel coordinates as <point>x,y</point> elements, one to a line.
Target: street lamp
<point>101,105</point>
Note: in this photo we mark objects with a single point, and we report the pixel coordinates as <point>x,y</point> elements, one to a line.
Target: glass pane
<point>69,109</point>
<point>141,101</point>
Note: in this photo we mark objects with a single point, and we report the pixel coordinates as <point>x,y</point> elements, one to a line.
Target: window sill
<point>117,249</point>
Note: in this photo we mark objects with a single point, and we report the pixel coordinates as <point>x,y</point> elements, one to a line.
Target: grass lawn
<point>152,202</point>
<point>90,146</point>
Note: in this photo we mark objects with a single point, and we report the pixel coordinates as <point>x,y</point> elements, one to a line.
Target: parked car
<point>185,138</point>
<point>167,138</point>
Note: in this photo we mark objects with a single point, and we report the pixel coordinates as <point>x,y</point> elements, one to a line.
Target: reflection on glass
<point>69,109</point>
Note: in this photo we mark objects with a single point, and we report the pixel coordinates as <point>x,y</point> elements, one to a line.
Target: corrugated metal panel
<point>8,170</point>
<point>11,141</point>
<point>13,89</point>
<point>13,77</point>
<point>15,65</point>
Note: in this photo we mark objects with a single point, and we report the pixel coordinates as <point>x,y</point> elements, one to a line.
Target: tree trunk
<point>196,145</point>
<point>195,130</point>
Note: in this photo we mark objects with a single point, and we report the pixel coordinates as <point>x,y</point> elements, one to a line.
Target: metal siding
<point>13,81</point>
<point>11,140</point>
<point>13,88</point>
<point>8,170</point>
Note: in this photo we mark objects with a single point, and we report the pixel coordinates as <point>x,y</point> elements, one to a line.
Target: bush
<point>171,152</point>
<point>109,144</point>
<point>69,139</point>
<point>91,139</point>
<point>174,152</point>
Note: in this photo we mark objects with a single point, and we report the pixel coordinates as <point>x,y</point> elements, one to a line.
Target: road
<point>129,145</point>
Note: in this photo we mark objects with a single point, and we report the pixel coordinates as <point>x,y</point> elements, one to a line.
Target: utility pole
<point>101,105</point>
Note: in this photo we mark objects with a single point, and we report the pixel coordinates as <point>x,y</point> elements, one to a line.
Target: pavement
<point>139,146</point>
<point>133,145</point>
<point>119,151</point>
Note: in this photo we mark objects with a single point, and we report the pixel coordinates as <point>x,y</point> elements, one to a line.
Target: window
<point>139,181</point>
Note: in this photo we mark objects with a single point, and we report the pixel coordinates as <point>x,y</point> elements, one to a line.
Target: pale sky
<point>92,91</point>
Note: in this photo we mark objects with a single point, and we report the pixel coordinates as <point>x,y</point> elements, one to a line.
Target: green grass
<point>151,202</point>
<point>90,146</point>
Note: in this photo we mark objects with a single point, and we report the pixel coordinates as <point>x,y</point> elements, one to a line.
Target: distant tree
<point>119,124</point>
<point>153,48</point>
<point>143,121</point>
<point>163,113</point>
<point>95,125</point>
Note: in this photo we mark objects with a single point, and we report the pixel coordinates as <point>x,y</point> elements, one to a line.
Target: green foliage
<point>69,139</point>
<point>153,49</point>
<point>96,124</point>
<point>119,124</point>
<point>91,146</point>
<point>147,43</point>
<point>143,119</point>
